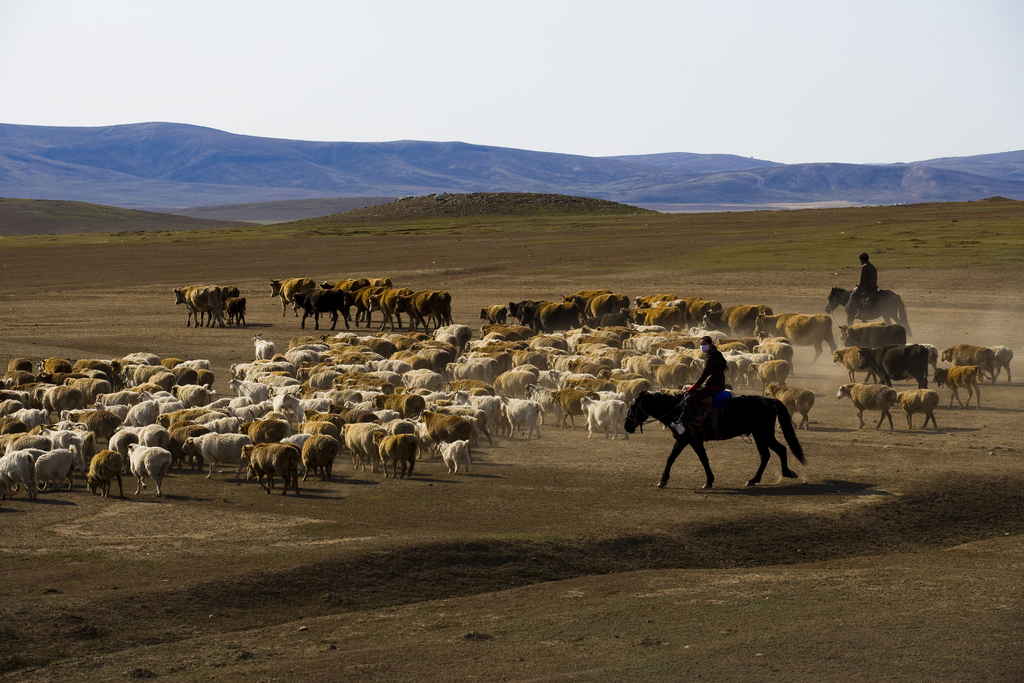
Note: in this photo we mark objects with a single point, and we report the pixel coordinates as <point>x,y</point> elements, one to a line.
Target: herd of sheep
<point>386,398</point>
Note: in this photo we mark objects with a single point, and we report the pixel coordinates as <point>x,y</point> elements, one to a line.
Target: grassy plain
<point>896,555</point>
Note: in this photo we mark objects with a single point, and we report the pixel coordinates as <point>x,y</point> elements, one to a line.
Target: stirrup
<point>678,428</point>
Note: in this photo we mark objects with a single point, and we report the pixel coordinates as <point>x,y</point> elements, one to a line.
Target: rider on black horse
<point>866,290</point>
<point>712,379</point>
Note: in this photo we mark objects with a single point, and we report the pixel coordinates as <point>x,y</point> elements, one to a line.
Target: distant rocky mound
<point>488,204</point>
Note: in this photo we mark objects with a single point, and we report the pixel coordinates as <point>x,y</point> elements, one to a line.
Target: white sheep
<point>264,348</point>
<point>148,461</point>
<point>455,453</point>
<point>870,397</point>
<point>142,414</point>
<point>1003,355</point>
<point>218,448</point>
<point>522,413</point>
<point>605,415</point>
<point>58,465</point>
<point>17,468</point>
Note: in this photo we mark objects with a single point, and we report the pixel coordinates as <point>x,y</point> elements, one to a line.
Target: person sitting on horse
<point>710,382</point>
<point>867,288</point>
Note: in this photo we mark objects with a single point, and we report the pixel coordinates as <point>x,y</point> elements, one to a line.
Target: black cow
<point>524,311</point>
<point>317,301</point>
<point>896,362</point>
<point>873,335</point>
<point>545,316</point>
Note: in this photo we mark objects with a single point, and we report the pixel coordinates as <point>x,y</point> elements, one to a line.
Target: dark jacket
<point>868,277</point>
<point>715,366</point>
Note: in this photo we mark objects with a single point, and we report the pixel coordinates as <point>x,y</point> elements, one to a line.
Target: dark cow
<point>523,311</point>
<point>873,335</point>
<point>317,301</point>
<point>425,306</point>
<point>897,362</point>
<point>550,317</point>
<point>235,308</point>
<point>593,306</point>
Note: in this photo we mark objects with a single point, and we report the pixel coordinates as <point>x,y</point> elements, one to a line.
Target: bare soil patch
<point>897,554</point>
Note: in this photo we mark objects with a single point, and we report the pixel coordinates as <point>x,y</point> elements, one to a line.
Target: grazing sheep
<point>400,448</point>
<point>919,401</point>
<point>148,461</point>
<point>216,448</point>
<point>795,399</point>
<point>967,355</point>
<point>17,468</point>
<point>318,454</point>
<point>105,467</point>
<point>58,465</point>
<point>456,453</point>
<point>962,377</point>
<point>270,459</point>
<point>870,397</point>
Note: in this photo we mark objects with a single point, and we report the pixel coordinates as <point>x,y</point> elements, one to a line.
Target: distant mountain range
<point>166,166</point>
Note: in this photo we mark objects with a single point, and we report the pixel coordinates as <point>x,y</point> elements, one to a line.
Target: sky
<point>863,81</point>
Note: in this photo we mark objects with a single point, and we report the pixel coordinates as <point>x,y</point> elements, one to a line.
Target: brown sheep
<point>269,459</point>
<point>851,360</point>
<point>919,401</point>
<point>104,468</point>
<point>265,431</point>
<point>179,433</point>
<point>870,397</point>
<point>965,377</point>
<point>102,423</point>
<point>406,405</point>
<point>446,428</point>
<point>400,448</point>
<point>570,401</point>
<point>798,401</point>
<point>318,453</point>
<point>967,354</point>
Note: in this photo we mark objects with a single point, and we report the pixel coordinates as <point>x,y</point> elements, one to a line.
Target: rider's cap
<point>863,256</point>
<point>707,340</point>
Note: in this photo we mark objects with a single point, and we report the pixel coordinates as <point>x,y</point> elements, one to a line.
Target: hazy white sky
<point>860,81</point>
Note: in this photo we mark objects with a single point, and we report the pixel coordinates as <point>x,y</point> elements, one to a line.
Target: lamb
<point>967,354</point>
<point>216,448</point>
<point>605,415</point>
<point>773,372</point>
<point>269,459</point>
<point>264,347</point>
<point>400,448</point>
<point>870,397</point>
<point>148,461</point>
<point>919,401</point>
<point>17,468</point>
<point>965,377</point>
<point>105,467</point>
<point>456,453</point>
<point>57,465</point>
<point>795,399</point>
<point>318,453</point>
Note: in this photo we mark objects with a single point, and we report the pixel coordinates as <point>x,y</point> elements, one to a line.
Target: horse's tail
<point>786,423</point>
<point>902,314</point>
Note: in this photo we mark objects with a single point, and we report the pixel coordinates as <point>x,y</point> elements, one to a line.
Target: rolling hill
<point>166,166</point>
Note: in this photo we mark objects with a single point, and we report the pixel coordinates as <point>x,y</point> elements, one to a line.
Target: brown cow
<point>287,289</point>
<point>199,299</point>
<point>736,321</point>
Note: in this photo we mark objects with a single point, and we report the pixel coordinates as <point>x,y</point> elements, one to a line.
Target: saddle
<point>713,410</point>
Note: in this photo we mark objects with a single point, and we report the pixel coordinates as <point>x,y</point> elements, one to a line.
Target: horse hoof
<point>662,484</point>
<point>790,474</point>
<point>753,482</point>
<point>707,486</point>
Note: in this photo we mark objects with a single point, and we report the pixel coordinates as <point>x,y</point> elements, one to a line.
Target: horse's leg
<point>698,446</point>
<point>762,449</point>
<point>680,444</point>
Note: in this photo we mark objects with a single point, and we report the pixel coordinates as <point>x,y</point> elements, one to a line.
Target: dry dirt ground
<point>896,555</point>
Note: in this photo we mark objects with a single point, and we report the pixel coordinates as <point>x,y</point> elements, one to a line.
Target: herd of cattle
<point>390,396</point>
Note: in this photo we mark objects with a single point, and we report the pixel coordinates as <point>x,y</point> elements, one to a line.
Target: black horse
<point>754,415</point>
<point>886,305</point>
